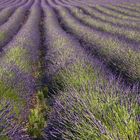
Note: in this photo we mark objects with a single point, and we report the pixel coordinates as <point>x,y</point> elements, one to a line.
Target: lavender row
<point>128,36</point>
<point>25,43</point>
<point>88,46</point>
<point>9,3</point>
<point>20,59</point>
<point>102,10</point>
<point>3,1</point>
<point>15,22</point>
<point>60,2</point>
<point>74,104</point>
<point>84,3</point>
<point>128,12</point>
<point>6,13</point>
<point>112,20</point>
<point>129,7</point>
<point>105,48</point>
<point>114,14</point>
<point>117,14</point>
<point>137,5</point>
<point>18,4</point>
<point>3,6</point>
<point>64,51</point>
<point>100,2</point>
<point>121,12</point>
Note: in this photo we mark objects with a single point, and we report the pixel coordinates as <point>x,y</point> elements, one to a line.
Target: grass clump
<point>2,36</point>
<point>37,120</point>
<point>8,93</point>
<point>4,138</point>
<point>74,76</point>
<point>19,56</point>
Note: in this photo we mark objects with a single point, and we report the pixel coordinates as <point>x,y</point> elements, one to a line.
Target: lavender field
<point>69,69</point>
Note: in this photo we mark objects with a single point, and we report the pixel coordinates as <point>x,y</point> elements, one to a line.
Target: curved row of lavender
<point>62,49</point>
<point>103,17</point>
<point>7,2</point>
<point>10,3</point>
<point>13,25</point>
<point>123,11</point>
<point>6,13</point>
<point>3,2</point>
<point>74,108</point>
<point>18,72</point>
<point>110,50</point>
<point>113,13</point>
<point>99,14</point>
<point>102,9</point>
<point>129,36</point>
<point>2,7</point>
<point>118,43</point>
<point>99,2</point>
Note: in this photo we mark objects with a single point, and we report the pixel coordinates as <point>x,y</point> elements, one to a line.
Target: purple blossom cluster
<point>7,117</point>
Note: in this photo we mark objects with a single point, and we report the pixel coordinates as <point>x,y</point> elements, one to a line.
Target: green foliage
<point>75,75</point>
<point>41,100</point>
<point>37,119</point>
<point>2,36</point>
<point>4,138</point>
<point>9,93</point>
<point>36,123</point>
<point>18,56</point>
<point>45,91</point>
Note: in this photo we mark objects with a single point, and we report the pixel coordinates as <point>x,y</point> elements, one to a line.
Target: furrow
<point>42,51</point>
